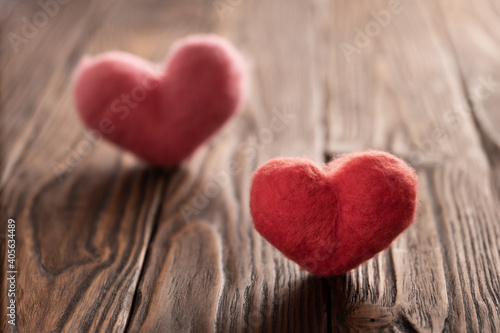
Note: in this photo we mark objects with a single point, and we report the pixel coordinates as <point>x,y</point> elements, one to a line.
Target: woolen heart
<point>162,115</point>
<point>329,219</point>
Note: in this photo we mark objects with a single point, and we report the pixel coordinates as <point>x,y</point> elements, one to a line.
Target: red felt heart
<point>331,219</point>
<point>162,116</point>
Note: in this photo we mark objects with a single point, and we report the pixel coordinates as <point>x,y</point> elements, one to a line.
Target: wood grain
<point>419,102</point>
<point>106,243</point>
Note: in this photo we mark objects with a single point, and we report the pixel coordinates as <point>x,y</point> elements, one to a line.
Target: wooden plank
<point>396,94</point>
<point>111,244</point>
<point>254,287</point>
<point>472,32</point>
<point>84,212</point>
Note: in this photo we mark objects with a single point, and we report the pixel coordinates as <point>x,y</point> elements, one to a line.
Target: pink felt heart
<point>331,219</point>
<point>162,115</point>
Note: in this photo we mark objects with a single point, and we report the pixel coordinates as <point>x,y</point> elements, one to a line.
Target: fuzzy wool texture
<point>162,115</point>
<point>329,219</point>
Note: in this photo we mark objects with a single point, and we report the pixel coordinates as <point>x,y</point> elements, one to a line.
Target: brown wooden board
<point>107,243</point>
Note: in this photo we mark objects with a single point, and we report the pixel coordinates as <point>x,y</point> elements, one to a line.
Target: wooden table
<point>106,243</point>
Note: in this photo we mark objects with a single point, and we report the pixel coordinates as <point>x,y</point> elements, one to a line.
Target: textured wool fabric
<point>162,115</point>
<point>329,219</point>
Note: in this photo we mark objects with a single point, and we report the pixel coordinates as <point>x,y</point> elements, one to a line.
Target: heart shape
<point>331,219</point>
<point>162,116</point>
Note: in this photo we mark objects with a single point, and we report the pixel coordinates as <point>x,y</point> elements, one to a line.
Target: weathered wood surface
<point>105,243</point>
